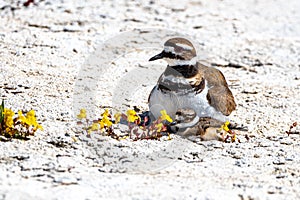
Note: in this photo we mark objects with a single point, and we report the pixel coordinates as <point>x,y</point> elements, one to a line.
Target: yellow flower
<point>106,121</point>
<point>31,120</point>
<point>106,113</point>
<point>169,136</point>
<point>40,127</point>
<point>101,124</point>
<point>159,127</point>
<point>9,122</point>
<point>8,112</point>
<point>117,117</point>
<point>9,131</point>
<point>132,116</point>
<point>225,126</point>
<point>26,122</point>
<point>94,127</point>
<point>165,116</point>
<point>233,137</point>
<point>21,117</point>
<point>8,118</point>
<point>82,114</point>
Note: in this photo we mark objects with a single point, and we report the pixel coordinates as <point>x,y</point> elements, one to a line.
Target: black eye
<point>178,113</point>
<point>172,56</point>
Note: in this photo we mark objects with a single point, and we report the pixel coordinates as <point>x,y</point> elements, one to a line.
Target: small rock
<point>256,156</point>
<point>241,162</point>
<point>66,180</point>
<point>218,145</point>
<point>279,161</point>
<point>271,190</point>
<point>290,157</point>
<point>272,138</point>
<point>280,176</point>
<point>286,141</point>
<point>264,144</point>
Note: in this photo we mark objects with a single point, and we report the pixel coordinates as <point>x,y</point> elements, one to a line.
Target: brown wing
<point>221,98</point>
<point>219,95</point>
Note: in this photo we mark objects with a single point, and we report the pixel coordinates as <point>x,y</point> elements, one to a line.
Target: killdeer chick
<point>187,123</point>
<point>187,83</point>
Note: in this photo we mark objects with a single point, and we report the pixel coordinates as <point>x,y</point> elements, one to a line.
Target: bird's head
<point>177,51</point>
<point>184,118</point>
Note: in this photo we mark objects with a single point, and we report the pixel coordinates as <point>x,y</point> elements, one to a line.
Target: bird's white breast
<point>172,101</point>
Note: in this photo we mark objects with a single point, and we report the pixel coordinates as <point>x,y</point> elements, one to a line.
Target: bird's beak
<point>158,56</point>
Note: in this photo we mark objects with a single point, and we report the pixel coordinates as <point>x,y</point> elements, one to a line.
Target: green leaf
<point>1,111</point>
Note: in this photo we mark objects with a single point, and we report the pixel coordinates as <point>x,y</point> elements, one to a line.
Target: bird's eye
<point>178,113</point>
<point>172,55</point>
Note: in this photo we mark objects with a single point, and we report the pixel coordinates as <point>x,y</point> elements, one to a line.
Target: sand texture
<point>59,56</point>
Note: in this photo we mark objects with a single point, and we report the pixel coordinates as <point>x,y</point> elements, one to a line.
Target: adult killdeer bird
<point>187,123</point>
<point>187,83</point>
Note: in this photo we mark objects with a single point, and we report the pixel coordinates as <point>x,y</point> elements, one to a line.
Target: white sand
<point>53,52</point>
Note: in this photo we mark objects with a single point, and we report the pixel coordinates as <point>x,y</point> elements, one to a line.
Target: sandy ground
<point>59,56</point>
